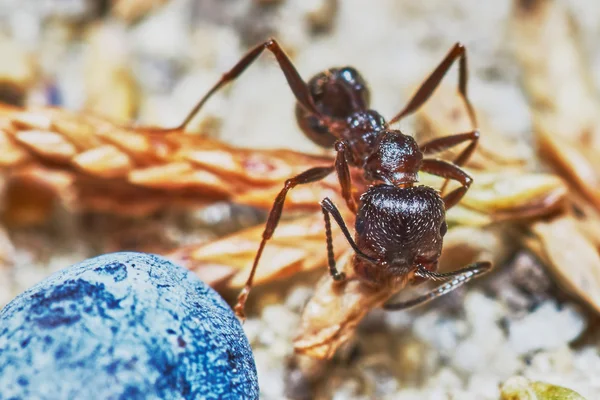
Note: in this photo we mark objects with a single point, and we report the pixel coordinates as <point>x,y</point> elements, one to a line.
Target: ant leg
<point>333,271</point>
<point>446,142</point>
<point>449,171</point>
<point>343,172</point>
<point>308,176</point>
<point>295,81</point>
<point>329,208</point>
<point>431,83</point>
<point>461,277</point>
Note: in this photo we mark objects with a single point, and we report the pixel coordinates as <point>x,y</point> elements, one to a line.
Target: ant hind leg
<point>447,170</point>
<point>295,81</point>
<point>427,88</point>
<point>460,277</point>
<point>447,142</point>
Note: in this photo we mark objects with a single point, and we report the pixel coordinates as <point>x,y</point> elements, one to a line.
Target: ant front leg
<point>460,277</point>
<point>447,142</point>
<point>432,82</point>
<point>308,176</point>
<point>330,209</point>
<point>447,170</point>
<point>295,81</point>
<point>343,172</point>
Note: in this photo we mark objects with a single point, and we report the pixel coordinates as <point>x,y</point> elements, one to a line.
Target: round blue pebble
<point>123,326</point>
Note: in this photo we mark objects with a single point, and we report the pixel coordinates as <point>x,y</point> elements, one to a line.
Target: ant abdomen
<point>399,227</point>
<point>337,93</point>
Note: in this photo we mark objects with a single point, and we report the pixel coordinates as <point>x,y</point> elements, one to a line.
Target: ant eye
<point>443,228</point>
<point>348,74</point>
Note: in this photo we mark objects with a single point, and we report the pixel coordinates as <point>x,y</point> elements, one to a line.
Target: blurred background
<point>149,61</point>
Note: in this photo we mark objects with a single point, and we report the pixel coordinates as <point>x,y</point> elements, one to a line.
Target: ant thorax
<point>394,160</point>
<point>400,228</point>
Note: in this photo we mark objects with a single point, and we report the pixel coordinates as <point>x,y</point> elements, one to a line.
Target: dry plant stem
<point>571,258</point>
<point>556,76</point>
<point>572,160</point>
<point>558,82</point>
<point>588,219</point>
<point>120,170</point>
<point>567,127</point>
<point>336,308</point>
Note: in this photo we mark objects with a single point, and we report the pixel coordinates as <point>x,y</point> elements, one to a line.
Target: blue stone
<point>123,326</point>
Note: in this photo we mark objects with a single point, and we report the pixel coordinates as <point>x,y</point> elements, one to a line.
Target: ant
<point>399,226</point>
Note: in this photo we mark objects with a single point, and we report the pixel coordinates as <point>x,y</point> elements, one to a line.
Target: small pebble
<point>548,327</point>
<point>123,326</point>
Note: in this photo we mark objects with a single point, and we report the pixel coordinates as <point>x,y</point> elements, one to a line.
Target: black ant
<point>399,226</point>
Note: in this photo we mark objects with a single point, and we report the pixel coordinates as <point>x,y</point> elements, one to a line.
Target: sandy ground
<point>446,351</point>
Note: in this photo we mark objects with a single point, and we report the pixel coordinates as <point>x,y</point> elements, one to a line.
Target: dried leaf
<point>513,195</point>
<point>588,219</point>
<point>464,245</point>
<point>558,81</point>
<point>572,258</point>
<point>520,388</point>
<point>501,196</point>
<point>564,105</point>
<point>332,314</point>
<point>460,215</point>
<point>571,159</point>
<point>297,245</point>
<point>47,144</point>
<point>105,161</point>
<point>21,208</point>
<point>555,75</point>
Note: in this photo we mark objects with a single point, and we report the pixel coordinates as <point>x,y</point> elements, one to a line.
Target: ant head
<point>337,93</point>
<point>396,159</point>
<point>401,227</point>
<point>340,91</point>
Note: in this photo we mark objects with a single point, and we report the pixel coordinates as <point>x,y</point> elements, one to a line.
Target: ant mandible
<point>399,226</point>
